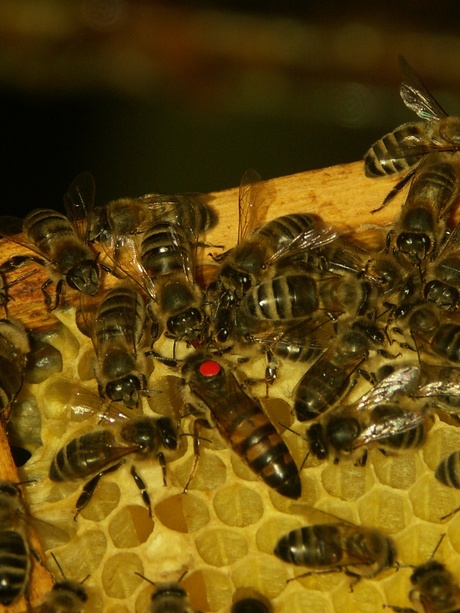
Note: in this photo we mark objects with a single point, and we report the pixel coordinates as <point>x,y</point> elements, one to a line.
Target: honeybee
<point>14,544</point>
<point>448,470</point>
<point>103,450</point>
<point>261,247</point>
<point>14,347</point>
<point>169,597</point>
<point>436,589</point>
<point>59,240</point>
<point>386,415</point>
<point>356,550</point>
<point>421,224</point>
<point>242,423</point>
<point>443,274</point>
<point>66,596</point>
<point>116,329</point>
<point>132,215</point>
<point>290,297</point>
<point>249,600</point>
<point>404,148</point>
<point>329,377</point>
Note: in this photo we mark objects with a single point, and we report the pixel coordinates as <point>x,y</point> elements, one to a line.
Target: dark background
<point>184,96</point>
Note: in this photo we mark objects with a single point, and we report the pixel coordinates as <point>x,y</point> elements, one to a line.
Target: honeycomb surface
<point>224,529</point>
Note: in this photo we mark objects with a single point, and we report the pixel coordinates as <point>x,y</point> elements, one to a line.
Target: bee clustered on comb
<point>300,397</point>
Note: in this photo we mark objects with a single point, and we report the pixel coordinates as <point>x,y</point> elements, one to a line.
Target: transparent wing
<point>390,426</point>
<point>251,206</point>
<point>79,202</point>
<point>416,96</point>
<point>401,380</point>
<point>314,238</point>
<point>83,404</point>
<point>123,253</point>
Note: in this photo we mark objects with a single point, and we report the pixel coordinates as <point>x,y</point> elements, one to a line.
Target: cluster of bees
<point>293,290</point>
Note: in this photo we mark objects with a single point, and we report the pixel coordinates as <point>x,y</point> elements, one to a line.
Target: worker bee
<point>262,247</point>
<point>421,225</point>
<point>404,148</point>
<point>327,380</point>
<point>162,262</point>
<point>169,597</point>
<point>102,451</point>
<point>116,328</point>
<point>356,550</point>
<point>14,347</point>
<point>59,240</point>
<point>242,423</point>
<point>448,470</point>
<point>65,596</point>
<point>249,600</point>
<point>132,215</point>
<point>436,588</point>
<point>14,544</point>
<point>385,415</point>
<point>443,274</point>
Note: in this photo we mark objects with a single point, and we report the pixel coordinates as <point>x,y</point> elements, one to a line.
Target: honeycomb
<point>224,529</point>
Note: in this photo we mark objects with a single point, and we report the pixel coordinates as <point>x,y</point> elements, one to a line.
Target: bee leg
<point>339,569</point>
<point>142,488</point>
<point>59,285</point>
<point>90,487</point>
<point>197,425</point>
<point>162,460</point>
<point>451,513</point>
<point>399,609</point>
<point>47,295</point>
<point>19,260</point>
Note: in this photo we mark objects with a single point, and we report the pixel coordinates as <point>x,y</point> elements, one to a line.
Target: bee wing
<point>79,202</point>
<point>170,207</point>
<point>313,238</point>
<point>83,403</point>
<point>452,243</point>
<point>123,252</point>
<point>389,427</point>
<point>416,96</point>
<point>11,228</point>
<point>251,212</point>
<point>401,380</point>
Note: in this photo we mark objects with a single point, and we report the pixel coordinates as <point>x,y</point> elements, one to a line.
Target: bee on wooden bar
<point>60,241</point>
<point>132,215</point>
<point>420,227</point>
<point>242,424</point>
<point>403,149</point>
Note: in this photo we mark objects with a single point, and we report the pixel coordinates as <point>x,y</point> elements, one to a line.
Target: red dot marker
<point>209,368</point>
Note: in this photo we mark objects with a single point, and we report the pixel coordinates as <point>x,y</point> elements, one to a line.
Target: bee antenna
<point>28,482</point>
<point>59,566</point>
<point>438,544</point>
<point>145,578</point>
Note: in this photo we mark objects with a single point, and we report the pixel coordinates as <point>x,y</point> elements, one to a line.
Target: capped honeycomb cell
<point>130,527</point>
<point>210,473</point>
<point>220,547</point>
<point>182,512</point>
<point>106,498</point>
<point>119,578</point>
<point>238,506</point>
